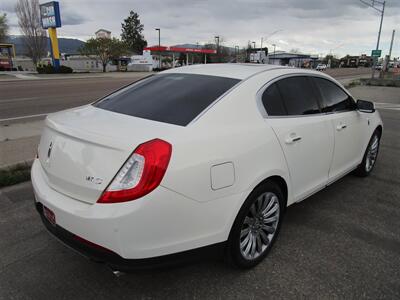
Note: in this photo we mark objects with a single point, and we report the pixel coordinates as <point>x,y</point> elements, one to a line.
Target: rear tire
<point>370,156</point>
<point>256,226</point>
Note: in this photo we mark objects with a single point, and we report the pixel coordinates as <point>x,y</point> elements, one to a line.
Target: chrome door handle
<point>293,139</point>
<point>341,126</point>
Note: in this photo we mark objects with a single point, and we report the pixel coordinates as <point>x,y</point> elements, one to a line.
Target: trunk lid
<point>82,149</point>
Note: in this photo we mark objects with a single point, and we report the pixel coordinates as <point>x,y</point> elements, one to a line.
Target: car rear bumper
<point>161,223</point>
<point>116,262</point>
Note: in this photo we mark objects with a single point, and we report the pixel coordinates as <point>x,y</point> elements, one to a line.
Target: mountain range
<point>66,45</point>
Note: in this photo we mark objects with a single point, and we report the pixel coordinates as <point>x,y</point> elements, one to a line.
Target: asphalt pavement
<point>21,98</point>
<point>341,243</point>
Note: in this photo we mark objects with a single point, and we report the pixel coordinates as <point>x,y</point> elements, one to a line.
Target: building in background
<point>103,33</point>
<point>298,60</point>
<point>356,61</point>
<point>81,63</point>
<point>258,57</point>
<point>170,56</point>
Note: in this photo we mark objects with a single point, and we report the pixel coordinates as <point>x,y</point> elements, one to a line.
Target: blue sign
<point>50,15</point>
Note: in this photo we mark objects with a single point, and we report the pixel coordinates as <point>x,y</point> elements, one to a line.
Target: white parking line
<point>22,117</point>
<point>17,99</point>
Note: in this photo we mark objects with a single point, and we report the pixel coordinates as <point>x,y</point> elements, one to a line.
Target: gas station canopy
<point>181,50</point>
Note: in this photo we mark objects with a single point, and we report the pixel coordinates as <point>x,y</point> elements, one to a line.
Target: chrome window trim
<point>261,91</point>
<point>229,91</point>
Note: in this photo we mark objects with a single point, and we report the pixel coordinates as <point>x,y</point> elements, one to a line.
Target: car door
<point>305,136</point>
<point>347,124</point>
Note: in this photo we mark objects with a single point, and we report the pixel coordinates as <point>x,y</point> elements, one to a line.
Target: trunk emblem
<point>94,180</point>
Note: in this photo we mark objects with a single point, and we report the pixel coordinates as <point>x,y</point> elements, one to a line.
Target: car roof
<point>231,70</point>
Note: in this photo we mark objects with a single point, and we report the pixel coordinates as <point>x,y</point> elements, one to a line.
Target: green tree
<point>132,33</point>
<point>3,28</point>
<point>104,49</point>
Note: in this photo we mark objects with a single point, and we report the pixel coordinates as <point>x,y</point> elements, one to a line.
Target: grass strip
<point>15,174</point>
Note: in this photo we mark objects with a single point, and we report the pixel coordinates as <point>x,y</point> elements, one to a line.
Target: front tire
<point>256,226</point>
<point>370,156</point>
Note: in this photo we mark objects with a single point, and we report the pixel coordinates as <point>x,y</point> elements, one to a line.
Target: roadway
<point>20,99</point>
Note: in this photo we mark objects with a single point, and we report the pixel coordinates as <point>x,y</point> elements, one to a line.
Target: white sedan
<point>321,67</point>
<point>197,156</point>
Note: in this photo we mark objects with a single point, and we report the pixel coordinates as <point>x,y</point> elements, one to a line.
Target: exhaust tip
<point>118,273</point>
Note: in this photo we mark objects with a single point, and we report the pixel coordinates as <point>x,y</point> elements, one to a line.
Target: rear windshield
<point>170,98</point>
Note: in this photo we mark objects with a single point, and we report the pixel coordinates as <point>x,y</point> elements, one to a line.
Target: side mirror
<point>365,106</point>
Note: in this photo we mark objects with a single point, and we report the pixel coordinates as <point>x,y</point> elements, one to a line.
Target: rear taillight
<point>141,173</point>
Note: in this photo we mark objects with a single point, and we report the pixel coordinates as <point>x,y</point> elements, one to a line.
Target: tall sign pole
<point>54,48</point>
<point>391,43</point>
<point>159,47</point>
<point>373,4</point>
<point>217,45</point>
<point>380,25</point>
<point>387,57</point>
<point>50,18</point>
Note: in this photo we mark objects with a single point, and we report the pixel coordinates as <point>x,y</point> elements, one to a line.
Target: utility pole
<point>382,12</point>
<point>387,60</point>
<point>159,48</point>
<point>274,51</point>
<point>391,43</point>
<point>217,44</point>
<point>237,52</point>
<point>254,51</point>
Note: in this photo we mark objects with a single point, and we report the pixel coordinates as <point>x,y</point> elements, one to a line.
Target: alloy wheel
<point>372,153</point>
<point>259,226</point>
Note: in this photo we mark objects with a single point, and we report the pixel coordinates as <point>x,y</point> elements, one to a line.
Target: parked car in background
<point>6,63</point>
<point>198,156</point>
<point>321,67</point>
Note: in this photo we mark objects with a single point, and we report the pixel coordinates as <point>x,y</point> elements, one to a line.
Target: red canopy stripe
<point>178,49</point>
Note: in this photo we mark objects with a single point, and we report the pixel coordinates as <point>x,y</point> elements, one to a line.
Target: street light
<point>237,52</point>
<point>159,47</point>
<point>274,51</point>
<point>217,44</point>
<point>382,11</point>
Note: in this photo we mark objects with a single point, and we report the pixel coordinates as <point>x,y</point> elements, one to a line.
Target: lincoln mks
<point>195,157</point>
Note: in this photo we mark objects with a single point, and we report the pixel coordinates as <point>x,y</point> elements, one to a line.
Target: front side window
<point>169,98</point>
<point>298,96</point>
<point>333,97</point>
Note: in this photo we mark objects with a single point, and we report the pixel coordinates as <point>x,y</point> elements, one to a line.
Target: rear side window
<point>169,98</point>
<point>298,96</point>
<point>333,97</point>
<point>272,101</point>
